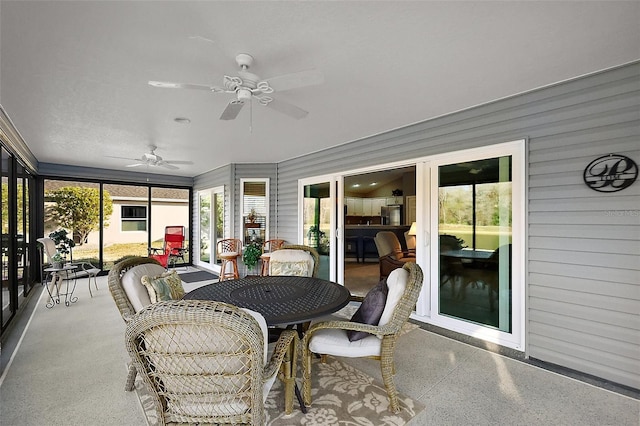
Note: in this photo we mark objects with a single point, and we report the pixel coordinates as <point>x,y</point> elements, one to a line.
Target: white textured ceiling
<point>73,75</point>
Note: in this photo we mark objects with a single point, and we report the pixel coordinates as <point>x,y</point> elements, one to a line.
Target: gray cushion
<point>370,310</point>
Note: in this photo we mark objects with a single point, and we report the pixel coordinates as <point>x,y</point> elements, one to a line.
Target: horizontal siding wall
<point>583,247</point>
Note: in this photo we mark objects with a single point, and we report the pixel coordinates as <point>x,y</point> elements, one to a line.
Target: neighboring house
<point>129,222</point>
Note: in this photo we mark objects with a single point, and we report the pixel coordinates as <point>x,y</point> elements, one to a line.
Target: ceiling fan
<point>247,86</point>
<point>154,160</point>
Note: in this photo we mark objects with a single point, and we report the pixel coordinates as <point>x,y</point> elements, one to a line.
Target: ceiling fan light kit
<point>247,86</point>
<point>244,94</point>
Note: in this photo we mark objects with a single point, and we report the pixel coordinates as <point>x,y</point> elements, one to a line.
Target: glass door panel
<point>204,211</point>
<point>474,235</point>
<point>210,219</point>
<point>318,218</point>
<point>7,287</point>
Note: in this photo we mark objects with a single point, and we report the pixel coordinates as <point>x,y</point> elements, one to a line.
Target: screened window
<point>134,218</point>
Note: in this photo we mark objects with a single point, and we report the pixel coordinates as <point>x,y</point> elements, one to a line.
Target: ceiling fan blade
<point>136,165</point>
<point>232,110</point>
<point>288,109</point>
<point>177,162</point>
<point>167,166</point>
<point>171,85</point>
<point>122,158</point>
<point>296,80</point>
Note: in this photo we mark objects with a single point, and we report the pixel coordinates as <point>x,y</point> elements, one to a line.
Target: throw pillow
<point>132,284</point>
<point>158,289</point>
<point>175,284</point>
<point>370,310</point>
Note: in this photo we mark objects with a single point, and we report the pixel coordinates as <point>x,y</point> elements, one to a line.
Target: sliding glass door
<point>476,226</point>
<point>211,225</point>
<point>319,223</point>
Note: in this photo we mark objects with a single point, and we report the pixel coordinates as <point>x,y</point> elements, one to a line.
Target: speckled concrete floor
<point>69,369</point>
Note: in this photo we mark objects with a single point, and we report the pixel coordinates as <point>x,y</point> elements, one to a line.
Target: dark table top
<point>282,300</point>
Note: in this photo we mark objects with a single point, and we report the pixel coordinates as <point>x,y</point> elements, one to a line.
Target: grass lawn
<point>114,252</point>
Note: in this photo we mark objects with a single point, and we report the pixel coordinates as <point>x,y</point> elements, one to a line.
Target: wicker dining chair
<point>269,247</point>
<point>206,362</point>
<point>137,266</point>
<point>285,260</point>
<point>330,337</point>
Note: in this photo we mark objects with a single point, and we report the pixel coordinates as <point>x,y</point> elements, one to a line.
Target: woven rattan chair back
<point>272,245</point>
<point>229,250</point>
<point>388,332</point>
<point>268,247</point>
<point>229,245</point>
<point>313,252</point>
<point>202,361</point>
<point>122,301</point>
<point>115,284</point>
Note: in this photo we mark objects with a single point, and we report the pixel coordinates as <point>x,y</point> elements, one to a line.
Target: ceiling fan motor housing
<point>244,94</point>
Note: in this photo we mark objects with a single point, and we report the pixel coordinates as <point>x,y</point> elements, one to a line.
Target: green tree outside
<point>78,209</point>
<point>5,205</point>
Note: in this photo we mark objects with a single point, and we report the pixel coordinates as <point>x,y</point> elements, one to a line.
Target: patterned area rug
<point>192,277</point>
<point>342,395</point>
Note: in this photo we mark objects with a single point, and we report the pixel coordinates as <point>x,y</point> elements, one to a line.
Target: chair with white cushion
<point>330,337</point>
<point>391,255</point>
<point>206,362</point>
<point>269,247</point>
<point>297,260</point>
<point>130,295</point>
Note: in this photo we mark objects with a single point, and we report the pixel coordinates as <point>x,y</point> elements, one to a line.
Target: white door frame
<point>336,244</point>
<point>427,211</point>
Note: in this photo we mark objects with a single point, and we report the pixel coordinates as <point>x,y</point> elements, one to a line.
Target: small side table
<point>54,276</point>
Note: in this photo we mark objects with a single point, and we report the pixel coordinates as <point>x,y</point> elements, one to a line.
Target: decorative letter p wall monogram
<point>610,173</point>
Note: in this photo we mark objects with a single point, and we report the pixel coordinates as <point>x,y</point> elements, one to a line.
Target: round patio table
<point>282,300</point>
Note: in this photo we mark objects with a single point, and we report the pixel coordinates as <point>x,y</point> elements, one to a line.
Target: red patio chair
<point>173,248</point>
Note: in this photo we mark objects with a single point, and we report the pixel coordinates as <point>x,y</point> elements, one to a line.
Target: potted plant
<point>251,256</point>
<point>57,261</point>
<point>315,236</point>
<point>63,243</point>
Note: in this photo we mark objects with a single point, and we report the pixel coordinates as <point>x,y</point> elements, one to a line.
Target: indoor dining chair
<point>390,253</point>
